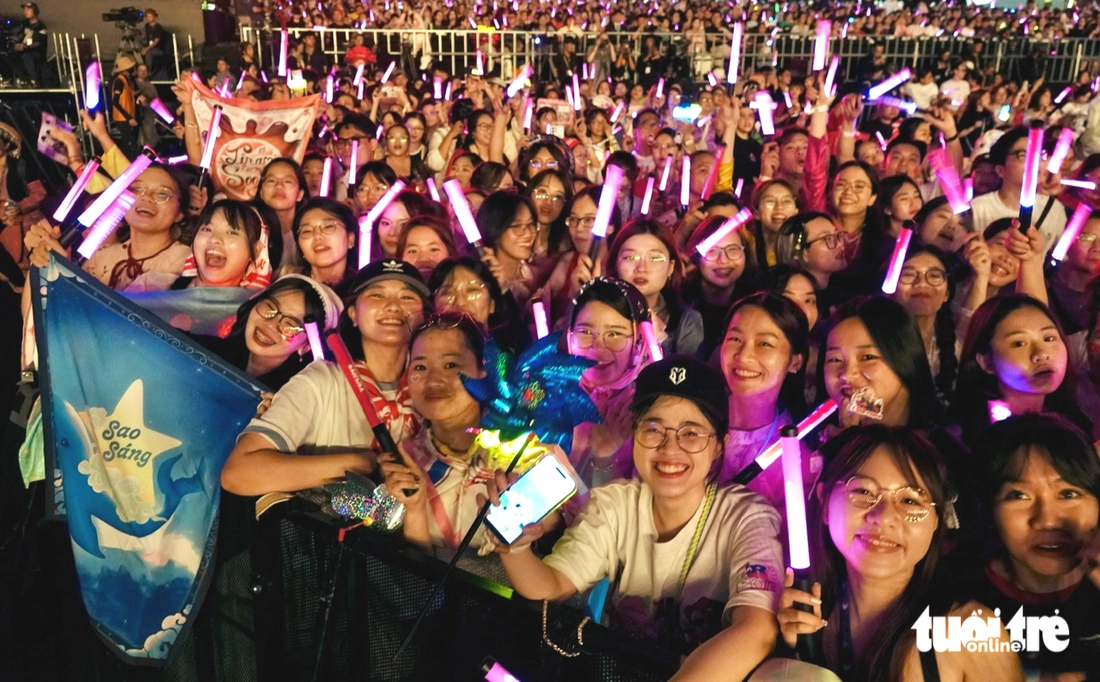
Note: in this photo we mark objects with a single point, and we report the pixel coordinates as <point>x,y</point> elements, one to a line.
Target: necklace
<point>693,549</point>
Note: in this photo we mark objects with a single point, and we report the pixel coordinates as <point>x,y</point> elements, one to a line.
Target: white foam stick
<point>542,328</point>
<point>326,177</point>
<point>461,208</point>
<point>821,44</point>
<point>389,71</point>
<point>648,195</point>
<point>106,224</point>
<point>1073,228</point>
<point>313,333</point>
<point>1061,150</point>
<point>685,181</point>
<point>366,223</point>
<point>735,222</point>
<point>211,137</point>
<point>764,111</point>
<point>116,188</point>
<point>735,53</point>
<point>353,162</point>
<point>1079,184</point>
<point>76,190</point>
<point>889,84</point>
<point>893,273</point>
<point>664,174</point>
<point>283,39</point>
<point>655,352</point>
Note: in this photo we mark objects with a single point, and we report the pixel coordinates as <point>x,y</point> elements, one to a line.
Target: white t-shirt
<point>739,562</point>
<point>922,94</point>
<point>958,91</point>
<point>989,207</point>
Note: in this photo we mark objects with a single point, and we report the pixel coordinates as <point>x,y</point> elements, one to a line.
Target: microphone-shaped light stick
<point>1031,174</point>
<point>893,273</point>
<point>609,195</point>
<point>797,536</point>
<point>366,223</point>
<point>461,207</point>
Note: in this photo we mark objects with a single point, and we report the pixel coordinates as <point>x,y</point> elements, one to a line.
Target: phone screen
<point>687,113</point>
<point>1004,112</point>
<point>535,494</point>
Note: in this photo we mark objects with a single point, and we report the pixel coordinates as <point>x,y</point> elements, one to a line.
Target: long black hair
<point>343,214</point>
<point>558,230</point>
<point>497,213</point>
<point>671,290</point>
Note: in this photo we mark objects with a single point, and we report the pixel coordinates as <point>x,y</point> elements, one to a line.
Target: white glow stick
<point>764,111</point>
<point>618,111</point>
<point>821,44</point>
<point>898,103</point>
<point>664,174</point>
<point>358,75</point>
<point>1061,150</point>
<point>655,352</point>
<point>999,410</point>
<point>76,190</point>
<point>519,81</point>
<point>787,99</point>
<point>282,52</point>
<point>712,80</point>
<point>1062,95</point>
<point>366,223</point>
<point>685,181</point>
<point>359,90</point>
<point>161,110</point>
<point>353,162</point>
<point>461,207</point>
<point>211,136</point>
<point>106,224</point>
<point>116,188</point>
<point>437,88</point>
<point>389,71</point>
<point>93,79</point>
<point>740,186</point>
<point>893,273</point>
<point>176,160</point>
<point>240,81</point>
<point>795,496</point>
<point>609,195</point>
<point>830,78</point>
<point>1079,184</point>
<point>578,100</point>
<point>814,420</point>
<point>480,62</point>
<point>432,189</point>
<point>735,53</point>
<point>660,87</point>
<point>328,89</point>
<point>735,222</point>
<point>314,336</point>
<point>542,328</point>
<point>326,177</point>
<point>528,115</point>
<point>648,195</point>
<point>889,84</point>
<point>1073,228</point>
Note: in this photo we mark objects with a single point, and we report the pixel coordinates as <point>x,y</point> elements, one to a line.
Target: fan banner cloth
<point>138,422</point>
<point>252,135</point>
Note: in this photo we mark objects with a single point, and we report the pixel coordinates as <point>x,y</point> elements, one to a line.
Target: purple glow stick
<point>830,77</point>
<point>353,161</point>
<point>366,223</point>
<point>787,99</point>
<point>93,79</point>
<point>968,185</point>
<point>898,103</point>
<point>116,188</point>
<point>480,63</point>
<point>735,53</point>
<point>660,87</point>
<point>734,223</point>
<point>176,160</point>
<point>240,81</point>
<point>578,100</point>
<point>461,207</point>
<point>211,136</point>
<point>326,177</point>
<point>893,274</point>
<point>106,224</point>
<point>517,83</point>
<point>569,94</point>
<point>821,44</point>
<point>685,181</point>
<point>263,74</point>
<point>999,410</point>
<point>161,110</point>
<point>664,174</point>
<point>618,111</point>
<point>609,195</point>
<point>795,496</point>
<point>1061,150</point>
<point>740,186</point>
<point>542,328</point>
<point>881,140</point>
<point>655,352</point>
<point>282,53</point>
<point>1079,184</point>
<point>432,189</point>
<point>447,94</point>
<point>76,190</point>
<point>764,111</point>
<point>1062,95</point>
<point>389,71</point>
<point>584,70</point>
<point>648,195</point>
<point>1073,228</point>
<point>948,177</point>
<point>328,89</point>
<point>889,84</point>
<point>313,333</point>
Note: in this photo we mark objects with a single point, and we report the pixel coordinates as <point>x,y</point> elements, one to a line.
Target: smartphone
<point>687,112</point>
<point>1003,114</point>
<point>539,491</point>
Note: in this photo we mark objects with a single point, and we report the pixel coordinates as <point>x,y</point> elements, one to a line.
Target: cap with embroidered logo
<point>684,376</point>
<point>390,268</point>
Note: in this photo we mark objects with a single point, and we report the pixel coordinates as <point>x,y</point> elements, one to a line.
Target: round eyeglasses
<point>864,492</point>
<point>690,438</point>
<point>289,327</point>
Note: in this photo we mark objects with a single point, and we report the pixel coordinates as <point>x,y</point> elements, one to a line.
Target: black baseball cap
<point>685,377</point>
<point>32,5</point>
<point>390,268</point>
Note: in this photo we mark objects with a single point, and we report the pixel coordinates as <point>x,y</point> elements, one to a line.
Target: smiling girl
<point>719,277</point>
<point>326,232</point>
<point>229,249</point>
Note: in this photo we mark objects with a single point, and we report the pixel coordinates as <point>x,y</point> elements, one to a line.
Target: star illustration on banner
<point>126,455</point>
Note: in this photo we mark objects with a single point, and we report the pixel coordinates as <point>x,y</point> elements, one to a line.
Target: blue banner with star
<point>138,422</point>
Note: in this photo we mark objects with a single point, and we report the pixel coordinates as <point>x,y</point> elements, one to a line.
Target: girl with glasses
<point>550,192</point>
<point>773,201</point>
<point>719,278</point>
<point>879,519</point>
<point>813,242</point>
<point>574,268</point>
<point>327,232</point>
<point>508,231</point>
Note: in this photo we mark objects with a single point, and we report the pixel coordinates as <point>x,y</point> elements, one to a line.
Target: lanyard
<point>693,549</point>
<point>845,655</point>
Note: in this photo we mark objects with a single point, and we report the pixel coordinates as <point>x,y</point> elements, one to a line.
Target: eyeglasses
<point>289,327</point>
<point>541,165</point>
<point>449,319</point>
<point>397,138</point>
<point>856,187</point>
<point>1087,240</point>
<point>523,227</point>
<point>1019,154</point>
<point>343,142</point>
<point>311,230</point>
<point>865,493</point>
<point>471,291</point>
<point>484,126</point>
<point>832,240</point>
<point>635,259</point>
<point>934,276</point>
<point>543,195</point>
<point>586,222</point>
<point>158,195</point>
<point>770,203</point>
<point>733,252</point>
<point>653,434</point>
<point>614,341</point>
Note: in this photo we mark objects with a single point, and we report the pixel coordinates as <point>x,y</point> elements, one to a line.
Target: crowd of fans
<point>918,498</point>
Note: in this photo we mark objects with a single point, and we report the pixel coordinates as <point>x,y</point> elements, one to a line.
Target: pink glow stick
<point>764,111</point>
<point>461,208</point>
<point>948,177</point>
<point>999,410</point>
<point>1073,228</point>
<point>389,71</point>
<point>437,88</point>
<point>569,94</point>
<point>93,79</point>
<point>527,116</point>
<point>283,40</point>
<point>584,70</point>
<point>106,224</point>
<point>366,223</point>
<point>795,496</point>
<point>358,75</point>
<point>328,89</point>
<point>787,99</point>
<point>76,190</point>
<point>432,189</point>
<point>821,44</point>
<point>740,186</point>
<point>814,420</point>
<point>735,222</point>
<point>116,188</point>
<point>830,77</point>
<point>519,81</point>
<point>211,136</point>
<point>578,100</point>
<point>893,273</point>
<point>240,81</point>
<point>542,328</point>
<point>313,333</point>
<point>498,673</point>
<point>648,195</point>
<point>1031,167</point>
<point>480,63</point>
<point>609,195</point>
<point>968,186</point>
<point>1062,95</point>
<point>664,174</point>
<point>735,53</point>
<point>712,80</point>
<point>881,140</point>
<point>326,177</point>
<point>655,352</point>
<point>685,181</point>
<point>889,84</point>
<point>660,87</point>
<point>1079,184</point>
<point>161,110</point>
<point>618,111</point>
<point>1061,150</point>
<point>447,93</point>
<point>353,162</point>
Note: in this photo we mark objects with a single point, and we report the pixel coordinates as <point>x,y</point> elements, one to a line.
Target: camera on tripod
<point>126,15</point>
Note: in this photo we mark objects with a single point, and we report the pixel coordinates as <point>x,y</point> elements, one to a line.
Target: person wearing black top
<point>155,43</point>
<point>31,48</point>
<point>652,64</point>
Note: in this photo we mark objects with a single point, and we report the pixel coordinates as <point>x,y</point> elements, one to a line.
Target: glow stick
<point>655,352</point>
<point>106,224</point>
<point>735,222</point>
<point>353,161</point>
<point>389,71</point>
<point>76,190</point>
<point>326,178</point>
<point>211,136</point>
<point>358,75</point>
<point>889,84</point>
<point>609,195</point>
<point>1062,95</point>
<point>366,223</point>
<point>480,61</point>
<point>830,78</point>
<point>528,115</point>
<point>1061,150</point>
<point>569,95</point>
<point>648,195</point>
<point>328,90</point>
<point>685,181</point>
<point>314,336</point>
<point>359,91</point>
<point>764,111</point>
<point>162,111</point>
<point>116,188</point>
<point>518,82</point>
<point>93,79</point>
<point>881,140</point>
<point>379,131</point>
<point>999,410</point>
<point>263,74</point>
<point>618,111</point>
<point>787,99</point>
<point>497,673</point>
<point>766,458</point>
<point>740,186</point>
<point>893,273</point>
<point>432,189</point>
<point>176,160</point>
<point>585,70</point>
<point>453,189</point>
<point>898,103</point>
<point>948,177</point>
<point>968,185</point>
<point>712,178</point>
<point>542,328</point>
<point>821,44</point>
<point>1031,173</point>
<point>447,94</point>
<point>735,53</point>
<point>712,80</point>
<point>1073,228</point>
<point>660,87</point>
<point>578,100</point>
<point>282,52</point>
<point>1079,184</point>
<point>437,88</point>
<point>664,174</point>
<point>795,496</point>
<point>240,81</point>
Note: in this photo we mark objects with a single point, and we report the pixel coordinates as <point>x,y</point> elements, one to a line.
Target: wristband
<point>952,138</point>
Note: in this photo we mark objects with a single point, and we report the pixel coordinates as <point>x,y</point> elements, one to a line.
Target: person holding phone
<point>693,566</point>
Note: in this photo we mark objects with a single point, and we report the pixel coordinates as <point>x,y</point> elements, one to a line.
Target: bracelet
<point>952,138</point>
<point>192,125</point>
<point>821,108</point>
<point>847,133</point>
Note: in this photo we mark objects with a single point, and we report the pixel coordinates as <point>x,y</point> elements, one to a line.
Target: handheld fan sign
<point>609,194</point>
<point>461,207</point>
